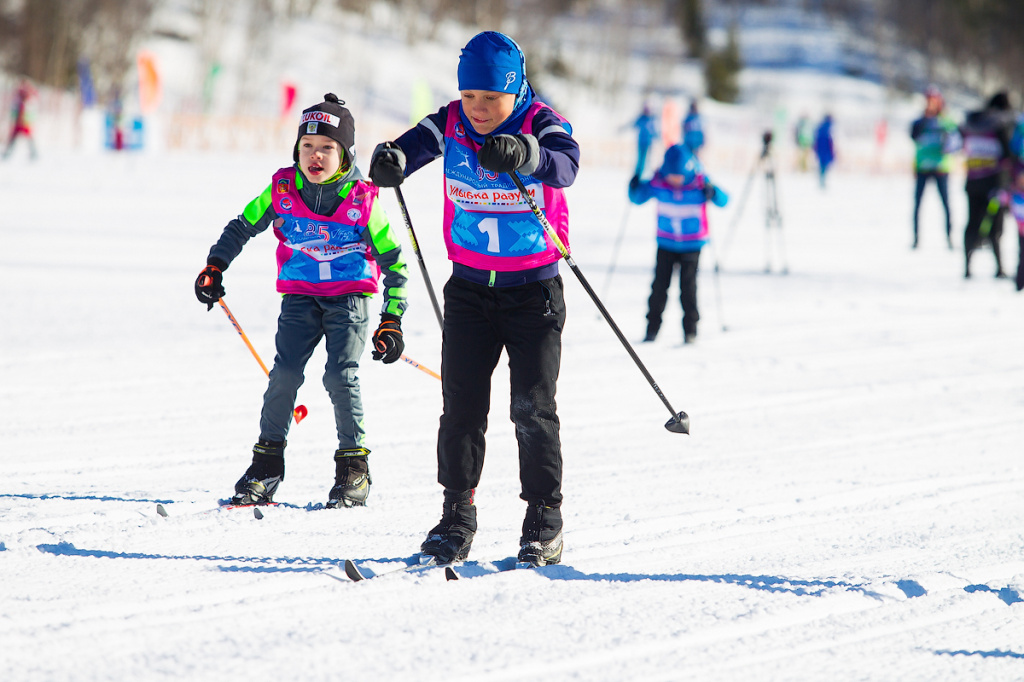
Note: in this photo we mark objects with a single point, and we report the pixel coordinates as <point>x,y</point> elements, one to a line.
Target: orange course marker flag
<point>150,90</point>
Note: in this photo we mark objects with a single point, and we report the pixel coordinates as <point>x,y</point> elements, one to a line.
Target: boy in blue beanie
<point>505,291</point>
<point>682,191</point>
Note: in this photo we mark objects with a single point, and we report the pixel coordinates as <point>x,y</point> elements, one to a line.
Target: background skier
<point>935,136</point>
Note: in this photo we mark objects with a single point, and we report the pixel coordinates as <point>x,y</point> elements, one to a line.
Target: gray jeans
<point>303,322</point>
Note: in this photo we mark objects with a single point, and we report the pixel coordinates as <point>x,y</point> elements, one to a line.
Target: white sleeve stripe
<point>554,128</point>
<point>429,125</point>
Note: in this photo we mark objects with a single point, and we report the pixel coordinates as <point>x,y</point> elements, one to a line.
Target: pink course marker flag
<point>288,93</point>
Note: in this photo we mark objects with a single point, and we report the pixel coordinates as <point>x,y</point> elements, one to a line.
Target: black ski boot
<point>260,481</point>
<point>351,479</point>
<point>451,539</point>
<point>541,543</point>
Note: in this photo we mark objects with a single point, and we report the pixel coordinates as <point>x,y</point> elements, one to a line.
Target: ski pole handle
<point>300,412</point>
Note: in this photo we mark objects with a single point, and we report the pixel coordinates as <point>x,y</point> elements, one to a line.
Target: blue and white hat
<point>679,160</point>
<point>492,61</point>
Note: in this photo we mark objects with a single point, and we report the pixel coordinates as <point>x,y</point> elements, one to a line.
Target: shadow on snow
<point>250,564</point>
<point>95,498</point>
<point>984,654</point>
<point>762,583</point>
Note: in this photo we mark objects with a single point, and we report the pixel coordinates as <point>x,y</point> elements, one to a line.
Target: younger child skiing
<point>334,242</point>
<point>682,191</point>
<point>505,291</point>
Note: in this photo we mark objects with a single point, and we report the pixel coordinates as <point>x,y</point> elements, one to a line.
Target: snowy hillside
<point>849,504</point>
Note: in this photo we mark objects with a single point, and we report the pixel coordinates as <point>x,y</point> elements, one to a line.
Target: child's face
<point>319,157</point>
<point>675,179</point>
<point>487,109</point>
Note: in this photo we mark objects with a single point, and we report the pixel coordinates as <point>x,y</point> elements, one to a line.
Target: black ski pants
<point>977,211</point>
<point>665,265</point>
<point>479,321</point>
<point>942,184</point>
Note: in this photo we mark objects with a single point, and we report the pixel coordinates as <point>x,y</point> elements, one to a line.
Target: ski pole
<point>680,422</point>
<point>421,367</point>
<point>615,249</point>
<point>300,412</point>
<point>419,256</point>
<point>718,287</point>
<point>766,139</point>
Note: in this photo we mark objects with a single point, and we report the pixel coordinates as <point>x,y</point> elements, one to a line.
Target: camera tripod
<point>772,217</point>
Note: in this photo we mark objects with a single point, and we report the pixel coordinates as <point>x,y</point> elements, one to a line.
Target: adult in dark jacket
<point>986,134</point>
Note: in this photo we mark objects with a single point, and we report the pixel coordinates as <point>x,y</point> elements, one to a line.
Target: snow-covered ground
<point>849,506</point>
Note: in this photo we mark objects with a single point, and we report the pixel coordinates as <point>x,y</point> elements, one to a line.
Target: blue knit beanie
<point>679,160</point>
<point>492,61</point>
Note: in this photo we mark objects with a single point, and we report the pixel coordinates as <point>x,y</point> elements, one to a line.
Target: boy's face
<point>319,157</point>
<point>487,109</point>
<point>675,179</point>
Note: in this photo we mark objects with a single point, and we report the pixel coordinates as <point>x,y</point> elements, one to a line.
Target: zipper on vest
<point>319,194</point>
<point>494,276</point>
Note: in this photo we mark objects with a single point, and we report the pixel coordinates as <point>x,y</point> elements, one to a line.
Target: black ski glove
<point>709,191</point>
<point>209,285</point>
<point>634,183</point>
<point>507,153</point>
<point>387,165</point>
<point>387,340</point>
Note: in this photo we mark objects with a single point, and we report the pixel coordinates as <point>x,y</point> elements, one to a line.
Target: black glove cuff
<point>388,317</point>
<point>217,263</point>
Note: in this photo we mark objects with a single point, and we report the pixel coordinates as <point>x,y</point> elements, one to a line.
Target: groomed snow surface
<point>849,506</point>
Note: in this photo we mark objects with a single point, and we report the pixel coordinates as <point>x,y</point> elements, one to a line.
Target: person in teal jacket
<point>335,241</point>
<point>935,137</point>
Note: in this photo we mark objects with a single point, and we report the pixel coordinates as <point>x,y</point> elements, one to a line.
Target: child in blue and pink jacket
<point>505,292</point>
<point>682,192</point>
